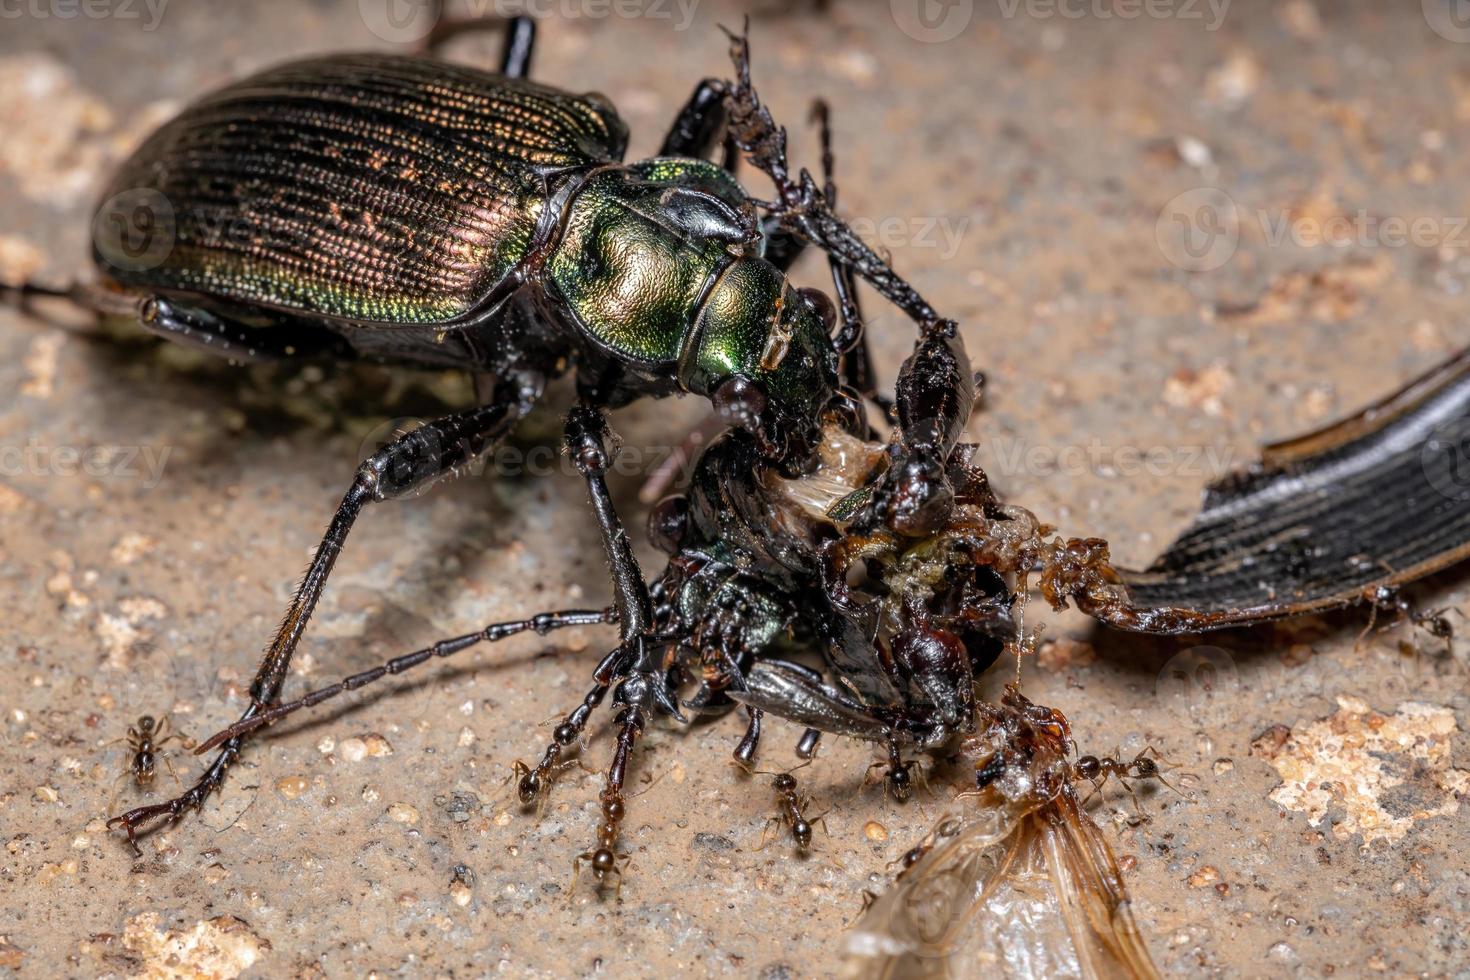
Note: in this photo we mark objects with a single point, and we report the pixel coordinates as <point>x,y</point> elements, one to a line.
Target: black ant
<point>1437,625</point>
<point>900,778</point>
<point>1143,766</point>
<point>1388,598</point>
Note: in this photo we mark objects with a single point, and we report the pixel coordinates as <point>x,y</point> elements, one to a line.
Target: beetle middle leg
<point>409,463</point>
<point>637,665</point>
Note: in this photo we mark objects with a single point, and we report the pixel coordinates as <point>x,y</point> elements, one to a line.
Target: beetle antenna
<point>801,206</point>
<point>541,623</point>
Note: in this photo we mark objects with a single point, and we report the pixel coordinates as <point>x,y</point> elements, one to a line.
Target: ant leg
<point>766,832</point>
<point>112,803</point>
<point>410,462</point>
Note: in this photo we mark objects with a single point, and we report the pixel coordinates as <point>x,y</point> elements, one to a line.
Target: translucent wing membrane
<point>1016,881</point>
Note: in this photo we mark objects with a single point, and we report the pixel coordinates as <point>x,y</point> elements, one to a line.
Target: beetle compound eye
<point>741,402</point>
<point>668,523</point>
<point>822,305</point>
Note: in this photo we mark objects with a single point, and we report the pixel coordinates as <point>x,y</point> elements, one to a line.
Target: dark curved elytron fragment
<point>1323,520</point>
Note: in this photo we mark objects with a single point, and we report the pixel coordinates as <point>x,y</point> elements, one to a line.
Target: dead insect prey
<point>852,579</point>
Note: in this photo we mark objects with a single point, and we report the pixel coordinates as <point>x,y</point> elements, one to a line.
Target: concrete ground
<point>1171,231</point>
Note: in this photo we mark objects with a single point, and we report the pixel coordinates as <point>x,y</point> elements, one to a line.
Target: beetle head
<point>764,356</point>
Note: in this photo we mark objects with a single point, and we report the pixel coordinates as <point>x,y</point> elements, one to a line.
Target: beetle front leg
<point>700,125</point>
<point>586,430</point>
<point>801,206</point>
<point>409,463</point>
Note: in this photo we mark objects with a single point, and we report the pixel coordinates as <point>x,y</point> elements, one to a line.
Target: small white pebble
<point>466,737</point>
<point>377,746</point>
<point>326,745</point>
<point>47,794</point>
<point>461,893</point>
<point>353,749</point>
<point>404,813</point>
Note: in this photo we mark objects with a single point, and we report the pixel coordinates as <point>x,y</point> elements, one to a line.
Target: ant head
<point>146,724</point>
<point>1088,767</point>
<point>784,782</point>
<point>1145,767</point>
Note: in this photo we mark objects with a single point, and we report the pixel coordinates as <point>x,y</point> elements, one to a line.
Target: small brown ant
<point>791,810</point>
<point>604,860</point>
<point>145,738</point>
<point>1143,766</point>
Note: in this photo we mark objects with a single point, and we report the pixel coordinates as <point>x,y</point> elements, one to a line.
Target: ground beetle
<point>410,211</point>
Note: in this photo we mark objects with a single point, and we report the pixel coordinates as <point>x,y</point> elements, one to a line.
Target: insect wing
<point>1378,499</point>
<point>1031,895</point>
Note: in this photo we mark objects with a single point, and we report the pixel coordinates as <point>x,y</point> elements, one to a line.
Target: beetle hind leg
<point>407,464</point>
